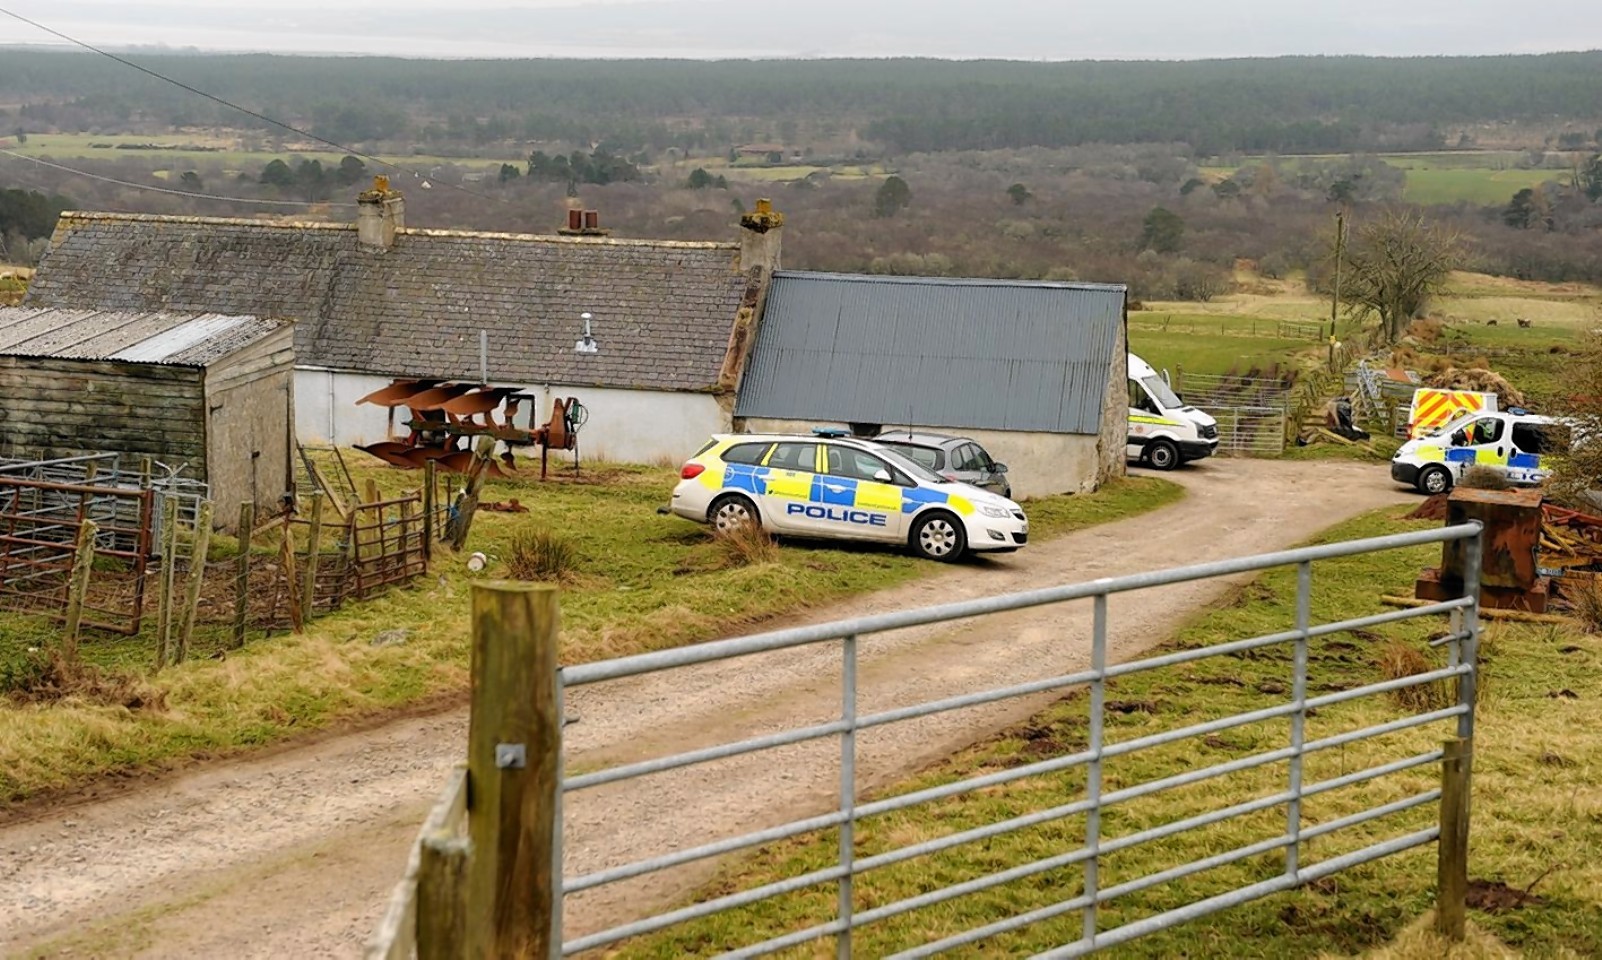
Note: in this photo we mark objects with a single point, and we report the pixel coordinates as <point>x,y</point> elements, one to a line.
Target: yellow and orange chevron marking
<point>1432,408</point>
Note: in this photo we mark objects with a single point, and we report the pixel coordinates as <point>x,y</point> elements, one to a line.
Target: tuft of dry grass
<point>541,555</point>
<point>48,677</point>
<point>1420,942</point>
<point>1397,660</point>
<point>1485,478</point>
<point>1586,599</point>
<point>748,546</point>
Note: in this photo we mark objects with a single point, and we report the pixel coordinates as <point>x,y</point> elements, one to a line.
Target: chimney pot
<point>575,220</point>
<point>592,220</point>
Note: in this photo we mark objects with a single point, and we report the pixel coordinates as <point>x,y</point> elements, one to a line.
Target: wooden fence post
<point>308,592</point>
<point>442,872</point>
<point>82,563</point>
<point>197,576</point>
<point>247,523</point>
<point>286,557</point>
<point>1451,877</point>
<point>513,772</point>
<point>428,512</point>
<point>169,573</point>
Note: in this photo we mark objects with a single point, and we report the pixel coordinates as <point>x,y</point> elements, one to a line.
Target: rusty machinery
<point>447,417</point>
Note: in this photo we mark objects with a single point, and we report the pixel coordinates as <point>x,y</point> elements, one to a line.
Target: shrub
<point>541,555</point>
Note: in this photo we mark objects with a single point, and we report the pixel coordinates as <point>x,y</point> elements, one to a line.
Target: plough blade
<point>399,391</point>
<point>477,402</point>
<point>397,454</point>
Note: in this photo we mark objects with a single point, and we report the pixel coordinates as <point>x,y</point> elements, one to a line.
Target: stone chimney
<point>380,214</point>
<point>761,237</point>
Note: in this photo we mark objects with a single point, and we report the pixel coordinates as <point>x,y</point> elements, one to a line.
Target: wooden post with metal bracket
<point>514,773</point>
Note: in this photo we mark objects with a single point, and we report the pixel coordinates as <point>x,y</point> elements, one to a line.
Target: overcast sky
<point>1020,29</point>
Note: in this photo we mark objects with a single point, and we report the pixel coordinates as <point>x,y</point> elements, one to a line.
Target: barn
<point>210,393</point>
<point>1036,372</point>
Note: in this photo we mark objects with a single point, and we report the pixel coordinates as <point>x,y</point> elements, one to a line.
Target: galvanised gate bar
<point>1461,641</point>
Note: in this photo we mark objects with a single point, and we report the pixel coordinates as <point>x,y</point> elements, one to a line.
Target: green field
<point>1483,177</point>
<point>74,146</point>
<point>1213,344</point>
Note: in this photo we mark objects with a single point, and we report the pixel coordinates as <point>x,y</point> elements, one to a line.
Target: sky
<point>1010,29</point>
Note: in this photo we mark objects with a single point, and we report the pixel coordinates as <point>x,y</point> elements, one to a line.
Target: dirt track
<point>292,855</point>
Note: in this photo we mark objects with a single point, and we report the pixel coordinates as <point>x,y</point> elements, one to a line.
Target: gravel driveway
<point>293,854</point>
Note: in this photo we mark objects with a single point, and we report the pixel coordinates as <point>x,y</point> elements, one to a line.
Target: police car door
<point>860,494</point>
<point>1482,442</point>
<point>792,470</point>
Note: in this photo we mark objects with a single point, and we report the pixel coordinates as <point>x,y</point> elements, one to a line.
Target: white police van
<point>1163,431</point>
<point>1519,445</point>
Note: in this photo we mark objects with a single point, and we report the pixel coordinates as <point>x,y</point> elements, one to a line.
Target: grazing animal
<point>1524,323</point>
<point>1490,323</point>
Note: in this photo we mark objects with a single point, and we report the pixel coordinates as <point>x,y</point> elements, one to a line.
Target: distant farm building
<point>210,394</point>
<point>1034,371</point>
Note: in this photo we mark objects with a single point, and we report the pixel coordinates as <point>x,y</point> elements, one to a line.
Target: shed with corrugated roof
<point>210,394</point>
<point>1035,371</point>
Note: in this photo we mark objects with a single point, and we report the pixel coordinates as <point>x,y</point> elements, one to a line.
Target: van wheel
<point>1434,480</point>
<point>1162,454</point>
<point>731,513</point>
<point>939,536</point>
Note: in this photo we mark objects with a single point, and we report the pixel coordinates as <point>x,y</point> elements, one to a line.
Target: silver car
<point>955,458</point>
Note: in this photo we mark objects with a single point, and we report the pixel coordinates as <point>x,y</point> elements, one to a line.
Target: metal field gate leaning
<point>1068,914</point>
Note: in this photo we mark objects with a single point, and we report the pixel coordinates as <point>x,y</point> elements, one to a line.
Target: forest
<point>1159,175</point>
<point>1283,105</point>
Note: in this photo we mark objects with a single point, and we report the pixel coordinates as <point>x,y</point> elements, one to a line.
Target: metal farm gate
<point>516,864</point>
<point>1251,412</point>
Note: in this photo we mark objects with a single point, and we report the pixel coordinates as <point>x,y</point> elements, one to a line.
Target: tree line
<point>1288,104</point>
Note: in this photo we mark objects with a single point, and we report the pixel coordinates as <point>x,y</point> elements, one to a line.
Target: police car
<point>834,487</point>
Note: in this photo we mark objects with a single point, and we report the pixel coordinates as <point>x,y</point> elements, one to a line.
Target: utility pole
<point>1335,295</point>
<point>1340,257</point>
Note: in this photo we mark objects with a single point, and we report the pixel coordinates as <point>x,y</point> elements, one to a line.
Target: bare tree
<point>1398,262</point>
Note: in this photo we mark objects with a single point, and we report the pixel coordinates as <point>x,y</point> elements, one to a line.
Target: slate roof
<point>170,339</point>
<point>663,310</point>
<point>933,351</point>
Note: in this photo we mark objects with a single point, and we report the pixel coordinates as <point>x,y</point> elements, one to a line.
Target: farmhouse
<point>210,393</point>
<point>376,300</point>
<point>1034,371</point>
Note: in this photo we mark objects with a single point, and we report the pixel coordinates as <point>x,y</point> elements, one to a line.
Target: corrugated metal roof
<point>984,354</point>
<point>174,339</point>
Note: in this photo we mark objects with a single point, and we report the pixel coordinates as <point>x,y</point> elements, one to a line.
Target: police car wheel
<point>1434,480</point>
<point>732,512</point>
<point>1162,454</point>
<point>939,536</point>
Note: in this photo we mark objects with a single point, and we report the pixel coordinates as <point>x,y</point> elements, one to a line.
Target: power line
<point>176,193</point>
<point>234,106</point>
